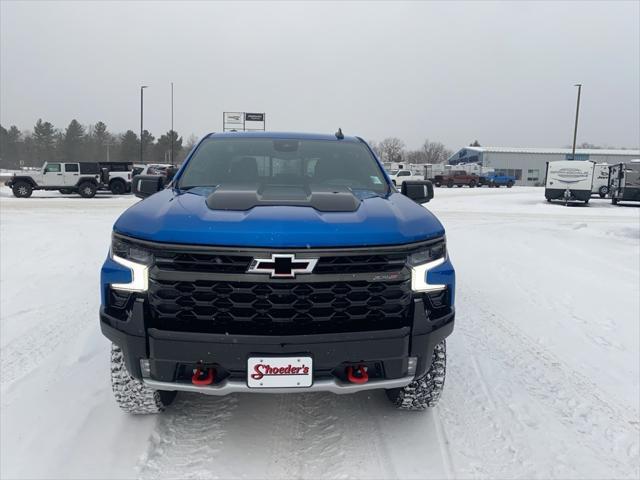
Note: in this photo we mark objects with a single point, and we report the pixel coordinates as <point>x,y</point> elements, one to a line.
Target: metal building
<point>529,165</point>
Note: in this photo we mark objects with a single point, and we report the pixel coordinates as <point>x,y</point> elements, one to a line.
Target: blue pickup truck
<point>277,262</point>
<point>497,180</point>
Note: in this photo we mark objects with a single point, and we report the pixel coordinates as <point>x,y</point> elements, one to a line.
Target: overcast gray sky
<point>502,72</point>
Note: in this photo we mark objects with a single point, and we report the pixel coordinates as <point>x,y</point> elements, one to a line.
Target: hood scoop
<point>323,199</point>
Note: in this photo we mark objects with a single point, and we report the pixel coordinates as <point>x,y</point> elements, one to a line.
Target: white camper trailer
<point>433,169</point>
<point>569,180</point>
<point>600,179</point>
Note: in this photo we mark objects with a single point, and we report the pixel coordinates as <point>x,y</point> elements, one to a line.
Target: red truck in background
<point>457,178</point>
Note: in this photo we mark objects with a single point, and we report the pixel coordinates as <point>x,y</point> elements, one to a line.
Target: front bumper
<point>171,354</point>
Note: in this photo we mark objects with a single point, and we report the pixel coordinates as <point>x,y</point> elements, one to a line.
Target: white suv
<point>81,178</point>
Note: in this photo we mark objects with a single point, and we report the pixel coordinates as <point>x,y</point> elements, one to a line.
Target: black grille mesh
<point>279,308</point>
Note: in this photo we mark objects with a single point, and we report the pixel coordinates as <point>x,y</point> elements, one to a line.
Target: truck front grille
<point>278,308</point>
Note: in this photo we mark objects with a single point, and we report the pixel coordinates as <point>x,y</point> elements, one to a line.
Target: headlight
<point>130,251</point>
<point>428,254</point>
<point>135,259</point>
<point>424,260</point>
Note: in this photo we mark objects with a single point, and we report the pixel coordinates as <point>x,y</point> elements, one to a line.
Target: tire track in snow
<point>445,445</point>
<point>24,354</point>
<point>568,399</point>
<point>329,444</point>
<point>188,437</point>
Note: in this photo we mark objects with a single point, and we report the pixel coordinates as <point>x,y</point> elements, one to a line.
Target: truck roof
<point>285,136</point>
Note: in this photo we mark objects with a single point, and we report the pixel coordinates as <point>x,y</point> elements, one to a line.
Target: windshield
<point>259,162</point>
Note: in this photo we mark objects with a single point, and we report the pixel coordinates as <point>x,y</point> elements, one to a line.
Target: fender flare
<point>24,178</point>
<point>86,179</point>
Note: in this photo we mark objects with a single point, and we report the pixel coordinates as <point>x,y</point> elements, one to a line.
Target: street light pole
<point>141,121</point>
<point>171,123</point>
<point>575,130</point>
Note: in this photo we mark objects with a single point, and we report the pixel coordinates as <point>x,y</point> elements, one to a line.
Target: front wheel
<point>425,391</point>
<point>22,190</point>
<point>131,394</point>
<point>472,184</point>
<point>87,190</point>
<point>509,184</point>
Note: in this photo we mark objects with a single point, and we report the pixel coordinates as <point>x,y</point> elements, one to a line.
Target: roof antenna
<point>339,134</point>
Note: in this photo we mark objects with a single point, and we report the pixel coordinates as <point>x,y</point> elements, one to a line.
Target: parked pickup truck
<point>401,176</point>
<point>457,178</point>
<point>497,180</point>
<point>278,263</point>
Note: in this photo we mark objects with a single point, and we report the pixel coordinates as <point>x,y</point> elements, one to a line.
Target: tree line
<point>392,149</point>
<point>80,143</point>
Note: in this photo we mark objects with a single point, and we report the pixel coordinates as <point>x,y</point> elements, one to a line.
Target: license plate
<point>278,372</point>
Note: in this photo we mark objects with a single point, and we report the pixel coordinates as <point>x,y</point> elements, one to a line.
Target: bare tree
<point>391,149</point>
<point>415,156</point>
<point>374,146</point>
<point>435,152</point>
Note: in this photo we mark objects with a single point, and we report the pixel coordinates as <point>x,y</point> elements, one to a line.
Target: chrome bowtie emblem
<point>282,265</point>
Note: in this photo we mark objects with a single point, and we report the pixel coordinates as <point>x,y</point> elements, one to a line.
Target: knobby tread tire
<point>424,392</point>
<point>131,394</point>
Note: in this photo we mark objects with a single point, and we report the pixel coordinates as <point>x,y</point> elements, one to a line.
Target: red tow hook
<point>203,376</point>
<point>357,375</point>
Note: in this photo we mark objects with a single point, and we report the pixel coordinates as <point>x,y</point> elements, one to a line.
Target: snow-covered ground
<point>543,375</point>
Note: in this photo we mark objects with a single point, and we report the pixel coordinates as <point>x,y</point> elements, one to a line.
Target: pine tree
<point>10,147</point>
<point>73,142</point>
<point>129,147</point>
<point>44,142</point>
<point>147,144</point>
<point>162,152</point>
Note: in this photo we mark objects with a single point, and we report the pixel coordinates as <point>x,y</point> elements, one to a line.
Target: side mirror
<point>420,191</point>
<point>144,186</point>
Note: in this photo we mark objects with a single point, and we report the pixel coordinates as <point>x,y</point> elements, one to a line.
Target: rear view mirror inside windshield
<point>286,145</point>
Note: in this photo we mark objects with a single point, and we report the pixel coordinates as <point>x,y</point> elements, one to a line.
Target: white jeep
<point>67,178</point>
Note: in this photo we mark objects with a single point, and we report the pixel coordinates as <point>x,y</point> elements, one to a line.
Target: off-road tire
<point>509,184</point>
<point>131,394</point>
<point>87,190</point>
<point>65,191</point>
<point>425,391</point>
<point>22,190</point>
<point>472,184</point>
<point>438,184</point>
<point>602,191</point>
<point>118,187</point>
<point>450,184</point>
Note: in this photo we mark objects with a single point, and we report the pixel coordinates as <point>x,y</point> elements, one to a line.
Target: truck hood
<point>184,217</point>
